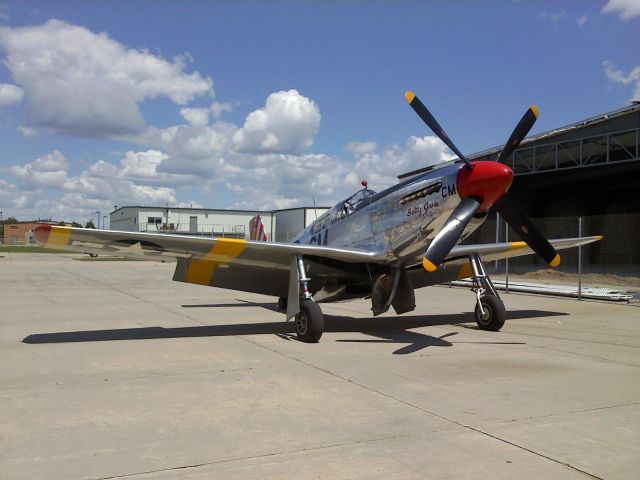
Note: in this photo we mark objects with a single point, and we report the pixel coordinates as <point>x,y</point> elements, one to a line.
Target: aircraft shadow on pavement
<point>392,330</point>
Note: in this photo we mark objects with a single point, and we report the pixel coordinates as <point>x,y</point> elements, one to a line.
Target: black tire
<point>495,313</point>
<point>309,322</point>
<point>282,303</point>
<point>93,255</point>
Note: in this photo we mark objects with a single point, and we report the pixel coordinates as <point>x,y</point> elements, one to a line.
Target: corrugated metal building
<point>281,225</point>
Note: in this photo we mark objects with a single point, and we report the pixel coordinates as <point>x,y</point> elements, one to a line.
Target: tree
<point>11,220</point>
<point>61,223</point>
<point>76,224</point>
<point>90,224</point>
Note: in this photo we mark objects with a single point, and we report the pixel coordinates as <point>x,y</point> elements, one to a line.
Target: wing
<point>457,265</point>
<point>497,251</point>
<point>251,266</point>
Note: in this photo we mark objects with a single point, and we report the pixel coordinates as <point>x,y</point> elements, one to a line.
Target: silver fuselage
<point>398,222</point>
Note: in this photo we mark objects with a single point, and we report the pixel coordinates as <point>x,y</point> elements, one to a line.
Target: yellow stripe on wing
<point>59,237</point>
<point>224,251</point>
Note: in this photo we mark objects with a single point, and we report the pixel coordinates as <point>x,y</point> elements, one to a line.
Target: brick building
<point>20,233</point>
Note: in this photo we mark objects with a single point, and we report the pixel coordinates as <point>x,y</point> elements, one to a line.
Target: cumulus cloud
<point>194,149</point>
<point>221,155</point>
<point>288,123</point>
<point>382,167</point>
<point>626,9</point>
<point>196,116</point>
<point>582,20</point>
<point>50,170</point>
<point>82,83</point>
<point>361,148</point>
<point>288,180</point>
<point>10,94</point>
<point>218,108</point>
<point>48,189</point>
<point>618,76</point>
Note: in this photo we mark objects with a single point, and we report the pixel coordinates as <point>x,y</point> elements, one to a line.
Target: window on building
<point>156,220</point>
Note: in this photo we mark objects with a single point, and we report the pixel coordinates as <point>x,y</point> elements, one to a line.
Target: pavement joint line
<point>540,325</point>
<point>255,457</point>
<point>575,340</point>
<point>575,412</point>
<point>128,294</point>
<point>145,377</point>
<point>416,407</point>
<point>585,355</point>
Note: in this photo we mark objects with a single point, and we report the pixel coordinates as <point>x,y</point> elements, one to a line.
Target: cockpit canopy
<point>343,209</point>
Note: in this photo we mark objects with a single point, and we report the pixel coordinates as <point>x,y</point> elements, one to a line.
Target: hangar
<point>580,179</point>
<point>590,167</point>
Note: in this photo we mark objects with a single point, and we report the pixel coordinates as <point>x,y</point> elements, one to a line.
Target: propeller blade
<point>518,134</point>
<point>433,124</point>
<point>527,230</point>
<point>450,233</point>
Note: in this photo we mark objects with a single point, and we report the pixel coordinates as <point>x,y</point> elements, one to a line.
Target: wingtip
<point>41,233</point>
<point>428,266</point>
<point>409,95</point>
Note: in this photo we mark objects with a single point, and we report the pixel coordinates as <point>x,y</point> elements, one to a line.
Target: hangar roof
<point>589,122</point>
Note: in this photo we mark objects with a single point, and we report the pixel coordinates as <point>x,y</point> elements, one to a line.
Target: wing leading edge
<point>253,266</point>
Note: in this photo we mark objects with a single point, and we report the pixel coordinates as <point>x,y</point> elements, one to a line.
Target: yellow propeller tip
<point>409,95</point>
<point>535,110</point>
<point>428,266</point>
<point>556,261</point>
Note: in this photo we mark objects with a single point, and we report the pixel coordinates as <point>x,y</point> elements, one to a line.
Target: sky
<point>277,104</point>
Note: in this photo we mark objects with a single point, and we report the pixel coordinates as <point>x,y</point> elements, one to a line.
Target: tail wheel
<point>309,322</point>
<point>494,313</point>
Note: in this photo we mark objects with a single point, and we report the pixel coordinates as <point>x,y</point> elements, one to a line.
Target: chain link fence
<point>608,270</point>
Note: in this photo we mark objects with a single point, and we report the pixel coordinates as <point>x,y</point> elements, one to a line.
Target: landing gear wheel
<point>494,313</point>
<point>282,303</point>
<point>309,322</point>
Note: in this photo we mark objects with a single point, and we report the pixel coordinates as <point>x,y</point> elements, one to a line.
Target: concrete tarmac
<point>111,370</point>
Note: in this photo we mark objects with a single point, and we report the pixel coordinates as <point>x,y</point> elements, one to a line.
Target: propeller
<point>518,134</point>
<point>482,185</point>
<point>510,211</point>
<point>517,220</point>
<point>433,124</point>
<point>449,234</point>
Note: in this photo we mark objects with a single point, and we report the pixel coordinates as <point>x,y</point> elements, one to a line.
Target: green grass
<point>21,249</point>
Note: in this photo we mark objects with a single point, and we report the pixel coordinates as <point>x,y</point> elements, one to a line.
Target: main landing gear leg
<point>490,312</point>
<point>309,321</point>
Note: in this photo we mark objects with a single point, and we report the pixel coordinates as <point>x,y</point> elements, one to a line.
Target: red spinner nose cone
<point>488,181</point>
<point>41,233</point>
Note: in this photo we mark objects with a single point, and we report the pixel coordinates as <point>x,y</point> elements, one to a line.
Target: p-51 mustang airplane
<point>373,245</point>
